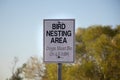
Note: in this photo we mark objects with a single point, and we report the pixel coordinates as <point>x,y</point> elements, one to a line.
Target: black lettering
<point>63,26</point>
<point>58,33</point>
<point>49,33</point>
<point>52,40</point>
<point>69,33</point>
<point>55,33</point>
<point>64,40</point>
<point>59,25</point>
<point>53,26</point>
<point>58,40</point>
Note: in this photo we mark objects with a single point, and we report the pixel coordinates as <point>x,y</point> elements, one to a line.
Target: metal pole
<point>59,71</point>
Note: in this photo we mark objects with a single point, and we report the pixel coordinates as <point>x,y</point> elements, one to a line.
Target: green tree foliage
<point>101,45</point>
<point>50,72</point>
<point>97,57</point>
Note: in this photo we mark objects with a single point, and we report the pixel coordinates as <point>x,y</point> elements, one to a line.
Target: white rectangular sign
<point>59,40</point>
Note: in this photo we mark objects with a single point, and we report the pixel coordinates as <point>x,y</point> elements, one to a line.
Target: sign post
<point>59,71</point>
<point>59,42</point>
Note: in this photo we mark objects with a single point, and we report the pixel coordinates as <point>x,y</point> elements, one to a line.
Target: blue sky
<point>21,24</point>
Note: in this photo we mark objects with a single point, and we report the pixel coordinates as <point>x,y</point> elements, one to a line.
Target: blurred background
<point>21,27</point>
